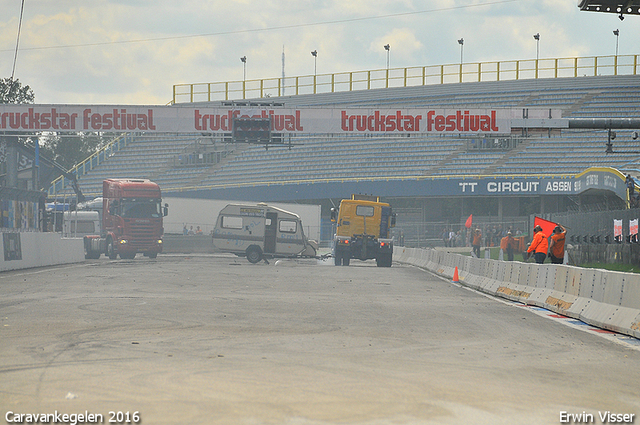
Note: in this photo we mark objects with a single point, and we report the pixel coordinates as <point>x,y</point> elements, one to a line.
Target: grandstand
<point>183,163</point>
<point>318,167</point>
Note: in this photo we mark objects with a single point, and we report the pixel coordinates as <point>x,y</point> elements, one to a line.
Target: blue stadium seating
<point>322,157</point>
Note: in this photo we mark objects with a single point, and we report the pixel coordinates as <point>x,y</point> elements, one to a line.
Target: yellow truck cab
<point>362,230</point>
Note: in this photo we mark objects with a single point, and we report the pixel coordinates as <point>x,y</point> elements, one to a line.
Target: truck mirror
<point>165,210</point>
<point>334,215</point>
<point>393,220</point>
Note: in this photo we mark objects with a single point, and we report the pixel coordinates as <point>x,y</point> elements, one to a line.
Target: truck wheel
<point>254,254</point>
<point>337,259</point>
<point>153,254</point>
<point>111,252</point>
<point>92,255</point>
<point>87,251</point>
<point>345,260</point>
<point>384,260</point>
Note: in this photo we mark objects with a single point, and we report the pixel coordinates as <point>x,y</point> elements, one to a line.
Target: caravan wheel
<point>254,254</point>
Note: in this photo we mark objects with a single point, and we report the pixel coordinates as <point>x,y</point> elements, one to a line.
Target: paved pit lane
<point>216,340</point>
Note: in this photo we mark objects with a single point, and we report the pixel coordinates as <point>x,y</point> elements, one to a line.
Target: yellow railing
<point>407,77</point>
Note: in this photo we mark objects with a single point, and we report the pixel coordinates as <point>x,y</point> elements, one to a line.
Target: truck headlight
<point>123,241</point>
<point>159,241</point>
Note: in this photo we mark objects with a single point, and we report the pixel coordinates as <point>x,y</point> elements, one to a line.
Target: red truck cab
<point>132,215</point>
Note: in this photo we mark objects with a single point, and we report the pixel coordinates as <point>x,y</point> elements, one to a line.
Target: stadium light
<point>461,43</point>
<point>315,60</point>
<point>616,32</point>
<point>537,37</point>
<point>387,47</point>
<point>244,67</point>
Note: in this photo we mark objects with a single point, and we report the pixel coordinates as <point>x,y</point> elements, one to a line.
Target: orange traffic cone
<point>455,276</point>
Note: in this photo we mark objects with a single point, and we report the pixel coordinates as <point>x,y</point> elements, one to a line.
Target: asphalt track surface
<point>216,340</point>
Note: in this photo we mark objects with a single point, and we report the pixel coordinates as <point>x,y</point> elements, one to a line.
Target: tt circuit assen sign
<point>592,179</point>
<point>180,119</point>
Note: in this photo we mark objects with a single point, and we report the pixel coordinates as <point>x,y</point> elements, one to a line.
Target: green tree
<point>12,91</point>
<point>69,150</point>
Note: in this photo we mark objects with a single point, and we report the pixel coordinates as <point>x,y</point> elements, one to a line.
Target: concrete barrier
<point>21,250</point>
<point>181,244</point>
<point>631,292</point>
<point>609,300</point>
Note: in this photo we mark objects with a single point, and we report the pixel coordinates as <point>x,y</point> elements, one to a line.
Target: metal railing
<point>407,77</point>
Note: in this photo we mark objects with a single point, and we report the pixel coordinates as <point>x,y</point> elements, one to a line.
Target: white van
<point>261,231</point>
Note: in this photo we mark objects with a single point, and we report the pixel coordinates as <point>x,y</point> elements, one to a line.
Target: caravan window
<point>288,226</point>
<point>229,222</point>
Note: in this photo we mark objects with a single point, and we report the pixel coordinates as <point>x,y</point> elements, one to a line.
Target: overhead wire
<point>276,28</point>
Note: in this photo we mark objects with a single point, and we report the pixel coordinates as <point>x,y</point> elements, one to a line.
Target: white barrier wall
<point>609,300</point>
<point>21,250</point>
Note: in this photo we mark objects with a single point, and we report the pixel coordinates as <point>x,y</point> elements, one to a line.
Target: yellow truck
<point>362,230</point>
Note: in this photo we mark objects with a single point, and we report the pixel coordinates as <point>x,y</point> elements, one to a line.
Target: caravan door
<point>270,232</point>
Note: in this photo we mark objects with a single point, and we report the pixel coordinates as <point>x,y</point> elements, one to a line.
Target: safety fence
<point>417,234</point>
<point>596,226</point>
<point>606,299</point>
<point>407,77</point>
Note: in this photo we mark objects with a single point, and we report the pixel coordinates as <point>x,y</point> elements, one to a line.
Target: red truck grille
<point>142,235</point>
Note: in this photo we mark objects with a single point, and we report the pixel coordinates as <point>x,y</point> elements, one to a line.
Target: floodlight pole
<point>244,76</point>
<point>387,47</point>
<point>315,63</point>
<point>461,43</point>
<point>537,38</point>
<point>616,32</point>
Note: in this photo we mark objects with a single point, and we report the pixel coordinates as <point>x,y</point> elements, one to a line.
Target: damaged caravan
<point>261,231</point>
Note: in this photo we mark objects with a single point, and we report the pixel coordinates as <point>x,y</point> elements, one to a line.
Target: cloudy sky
<point>134,51</point>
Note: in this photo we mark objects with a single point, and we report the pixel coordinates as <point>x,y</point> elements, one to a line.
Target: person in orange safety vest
<point>508,244</point>
<point>539,245</point>
<point>556,248</point>
<point>477,241</point>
